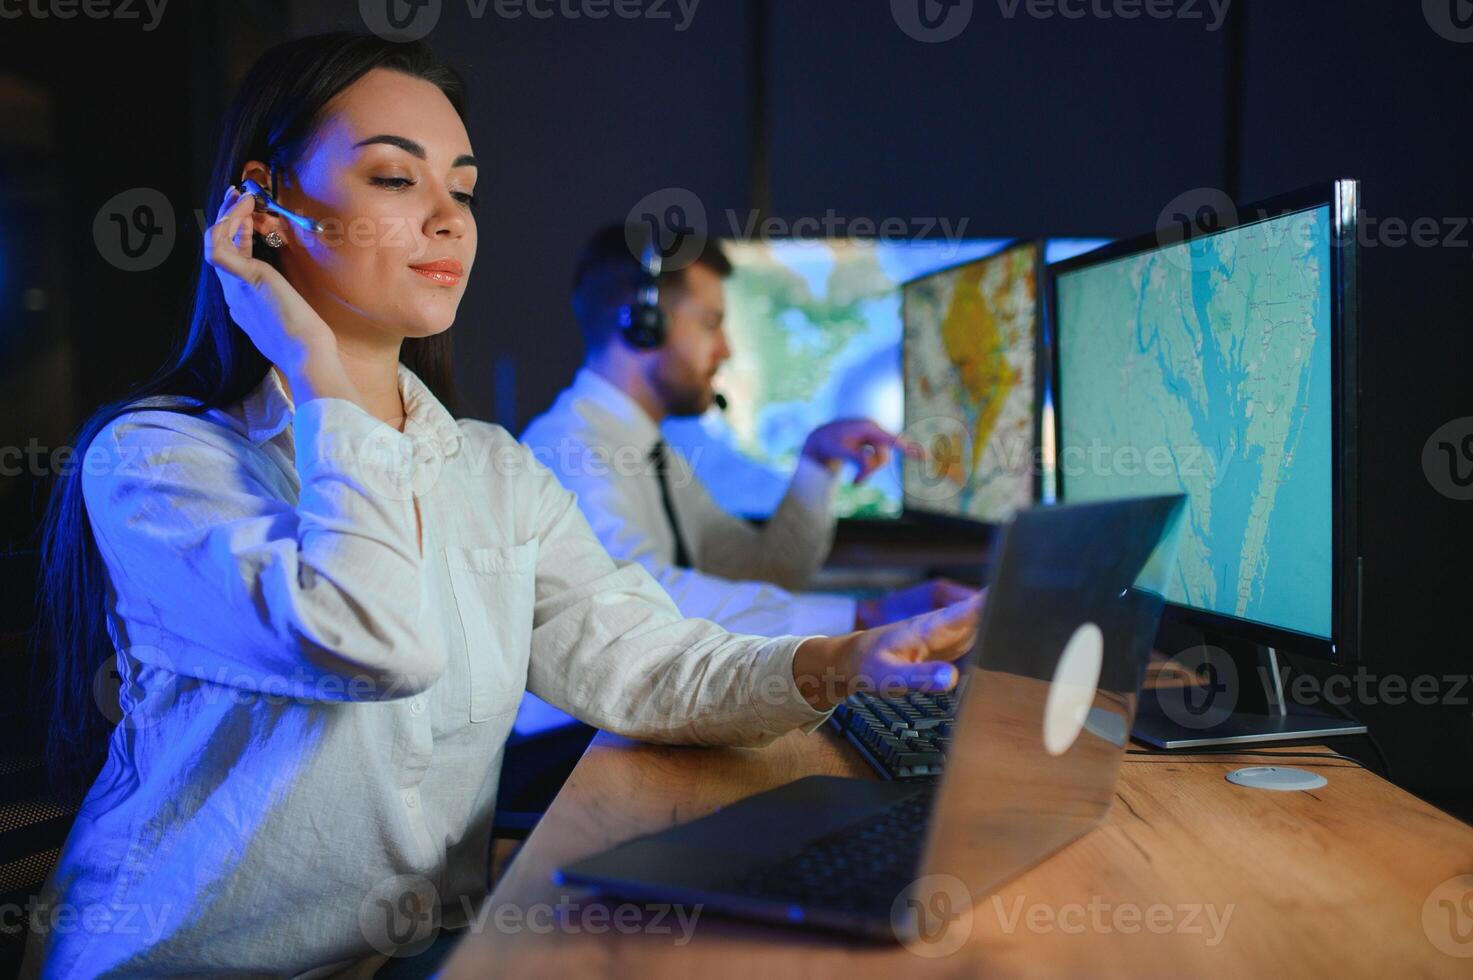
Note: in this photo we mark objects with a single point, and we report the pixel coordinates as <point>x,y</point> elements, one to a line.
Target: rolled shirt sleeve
<point>610,647</point>
<point>787,551</point>
<point>744,577</point>
<point>612,506</point>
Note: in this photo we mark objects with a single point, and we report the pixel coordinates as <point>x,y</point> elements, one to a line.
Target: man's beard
<point>682,396</point>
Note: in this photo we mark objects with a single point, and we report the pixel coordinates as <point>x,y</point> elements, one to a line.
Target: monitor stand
<point>1238,700</point>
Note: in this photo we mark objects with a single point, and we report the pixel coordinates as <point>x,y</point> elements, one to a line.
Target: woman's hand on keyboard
<point>913,654</point>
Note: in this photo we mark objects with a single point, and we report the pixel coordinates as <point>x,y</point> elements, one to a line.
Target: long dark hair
<point>279,105</point>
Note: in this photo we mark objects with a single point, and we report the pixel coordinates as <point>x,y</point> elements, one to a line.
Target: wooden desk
<point>1324,883</point>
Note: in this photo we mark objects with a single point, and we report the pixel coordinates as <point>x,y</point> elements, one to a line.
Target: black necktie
<point>662,465</point>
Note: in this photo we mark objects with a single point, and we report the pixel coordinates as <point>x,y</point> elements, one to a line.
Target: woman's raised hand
<point>282,325</point>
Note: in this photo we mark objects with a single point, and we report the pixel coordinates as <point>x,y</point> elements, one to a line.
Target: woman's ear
<point>263,222</point>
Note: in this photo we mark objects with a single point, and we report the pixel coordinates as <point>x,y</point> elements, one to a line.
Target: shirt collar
<point>635,427</point>
<point>269,409</point>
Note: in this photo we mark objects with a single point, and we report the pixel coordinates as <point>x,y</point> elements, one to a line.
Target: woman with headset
<point>324,595</point>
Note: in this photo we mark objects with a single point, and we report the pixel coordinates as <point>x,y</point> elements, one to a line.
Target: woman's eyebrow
<point>410,146</point>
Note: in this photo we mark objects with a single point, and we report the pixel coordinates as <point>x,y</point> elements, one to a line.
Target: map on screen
<point>971,386</point>
<point>1205,368</point>
<point>814,330</point>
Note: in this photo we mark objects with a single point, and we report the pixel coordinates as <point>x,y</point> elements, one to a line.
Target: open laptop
<point>1047,697</point>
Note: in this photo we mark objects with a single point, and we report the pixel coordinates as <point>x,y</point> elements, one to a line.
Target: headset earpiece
<point>642,322</point>
<point>643,325</point>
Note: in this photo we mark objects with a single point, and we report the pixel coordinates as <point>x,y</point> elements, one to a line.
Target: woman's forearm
<point>319,373</point>
<point>819,669</point>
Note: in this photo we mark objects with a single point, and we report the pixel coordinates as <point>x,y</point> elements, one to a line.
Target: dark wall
<point>1018,126</point>
<point>98,117</point>
<point>1375,93</point>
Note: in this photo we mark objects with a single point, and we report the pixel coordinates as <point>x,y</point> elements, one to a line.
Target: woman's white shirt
<point>314,707</point>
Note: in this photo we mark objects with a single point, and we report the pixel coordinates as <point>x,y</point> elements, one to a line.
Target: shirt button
<point>417,706</point>
<point>411,799</point>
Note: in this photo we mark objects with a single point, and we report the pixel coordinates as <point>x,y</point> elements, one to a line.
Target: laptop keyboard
<point>860,868</point>
<point>903,737</point>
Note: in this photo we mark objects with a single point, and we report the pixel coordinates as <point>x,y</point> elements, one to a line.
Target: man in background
<point>602,438</point>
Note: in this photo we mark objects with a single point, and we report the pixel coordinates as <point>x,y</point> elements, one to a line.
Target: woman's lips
<point>446,272</point>
<point>443,278</point>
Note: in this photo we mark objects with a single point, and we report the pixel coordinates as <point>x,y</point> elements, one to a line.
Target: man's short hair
<point>608,274</point>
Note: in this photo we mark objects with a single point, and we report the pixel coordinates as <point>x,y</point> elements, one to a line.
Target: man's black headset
<point>642,322</point>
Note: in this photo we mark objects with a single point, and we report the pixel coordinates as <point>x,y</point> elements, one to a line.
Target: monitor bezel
<point>1342,197</point>
<point>1040,247</point>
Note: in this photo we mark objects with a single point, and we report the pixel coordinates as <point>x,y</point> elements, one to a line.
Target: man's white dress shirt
<point>598,440</point>
<point>315,706</point>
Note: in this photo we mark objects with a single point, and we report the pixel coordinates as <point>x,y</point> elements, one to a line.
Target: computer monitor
<point>972,360</point>
<point>1216,358</point>
<point>814,329</point>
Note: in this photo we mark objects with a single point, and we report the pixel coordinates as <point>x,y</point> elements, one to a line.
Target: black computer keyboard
<point>859,868</point>
<point>903,737</point>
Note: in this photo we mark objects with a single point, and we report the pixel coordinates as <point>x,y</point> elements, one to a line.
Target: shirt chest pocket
<point>495,589</point>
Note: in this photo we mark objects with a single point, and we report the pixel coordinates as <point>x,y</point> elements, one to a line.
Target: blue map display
<point>1204,368</point>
